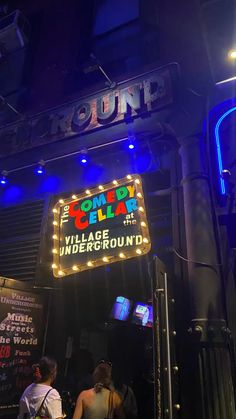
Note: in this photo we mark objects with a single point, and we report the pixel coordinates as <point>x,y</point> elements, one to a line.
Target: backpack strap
<point>110,405</point>
<point>40,407</point>
<point>126,393</point>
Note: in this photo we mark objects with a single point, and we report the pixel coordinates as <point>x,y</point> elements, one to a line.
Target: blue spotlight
<point>40,169</point>
<point>131,142</point>
<point>84,160</point>
<point>3,179</point>
<point>84,157</point>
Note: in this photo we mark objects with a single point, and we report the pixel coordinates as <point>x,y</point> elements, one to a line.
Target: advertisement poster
<point>21,340</point>
<point>102,225</point>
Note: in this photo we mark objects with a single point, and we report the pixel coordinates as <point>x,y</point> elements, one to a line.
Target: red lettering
<point>5,351</point>
<point>121,209</point>
<point>81,225</point>
<point>72,210</point>
<point>78,214</point>
<point>111,196</point>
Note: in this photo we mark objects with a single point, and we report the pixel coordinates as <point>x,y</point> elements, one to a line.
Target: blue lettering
<point>99,200</point>
<point>93,217</point>
<point>131,205</point>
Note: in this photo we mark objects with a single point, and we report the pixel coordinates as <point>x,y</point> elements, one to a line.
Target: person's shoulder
<point>27,390</point>
<point>32,385</point>
<point>86,393</point>
<point>53,394</point>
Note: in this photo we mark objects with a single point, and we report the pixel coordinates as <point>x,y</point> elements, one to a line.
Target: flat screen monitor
<point>143,315</point>
<point>121,308</point>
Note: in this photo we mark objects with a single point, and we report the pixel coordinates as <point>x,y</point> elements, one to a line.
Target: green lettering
<point>121,192</point>
<point>110,214</point>
<point>86,205</point>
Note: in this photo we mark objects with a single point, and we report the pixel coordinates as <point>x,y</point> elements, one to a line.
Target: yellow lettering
<point>101,216</point>
<point>131,190</point>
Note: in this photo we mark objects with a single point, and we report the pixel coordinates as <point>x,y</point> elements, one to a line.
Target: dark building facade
<point>87,80</point>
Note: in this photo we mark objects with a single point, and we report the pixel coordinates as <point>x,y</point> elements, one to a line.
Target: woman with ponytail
<point>40,399</point>
<point>99,402</point>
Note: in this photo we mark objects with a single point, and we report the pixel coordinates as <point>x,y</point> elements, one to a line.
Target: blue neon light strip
<point>218,147</point>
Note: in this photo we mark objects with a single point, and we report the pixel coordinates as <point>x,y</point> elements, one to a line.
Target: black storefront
<point>81,324</point>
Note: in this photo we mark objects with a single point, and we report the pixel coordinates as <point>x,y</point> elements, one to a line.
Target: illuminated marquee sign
<point>100,226</point>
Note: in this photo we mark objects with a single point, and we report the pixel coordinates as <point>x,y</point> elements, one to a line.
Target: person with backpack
<point>99,402</point>
<point>40,399</point>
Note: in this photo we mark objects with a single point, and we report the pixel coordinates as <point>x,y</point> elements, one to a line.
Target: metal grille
<point>20,229</point>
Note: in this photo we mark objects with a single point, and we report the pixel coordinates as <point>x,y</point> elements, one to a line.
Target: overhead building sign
<point>102,225</point>
<point>144,94</point>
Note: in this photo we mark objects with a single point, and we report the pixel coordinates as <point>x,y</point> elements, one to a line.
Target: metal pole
<point>156,342</point>
<point>105,74</point>
<point>211,386</point>
<point>47,323</point>
<point>170,401</point>
<point>10,106</point>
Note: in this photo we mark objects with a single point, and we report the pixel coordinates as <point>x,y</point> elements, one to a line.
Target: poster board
<point>21,340</point>
<point>99,226</point>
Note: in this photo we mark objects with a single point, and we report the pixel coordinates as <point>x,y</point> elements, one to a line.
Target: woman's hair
<point>102,376</point>
<point>45,369</point>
